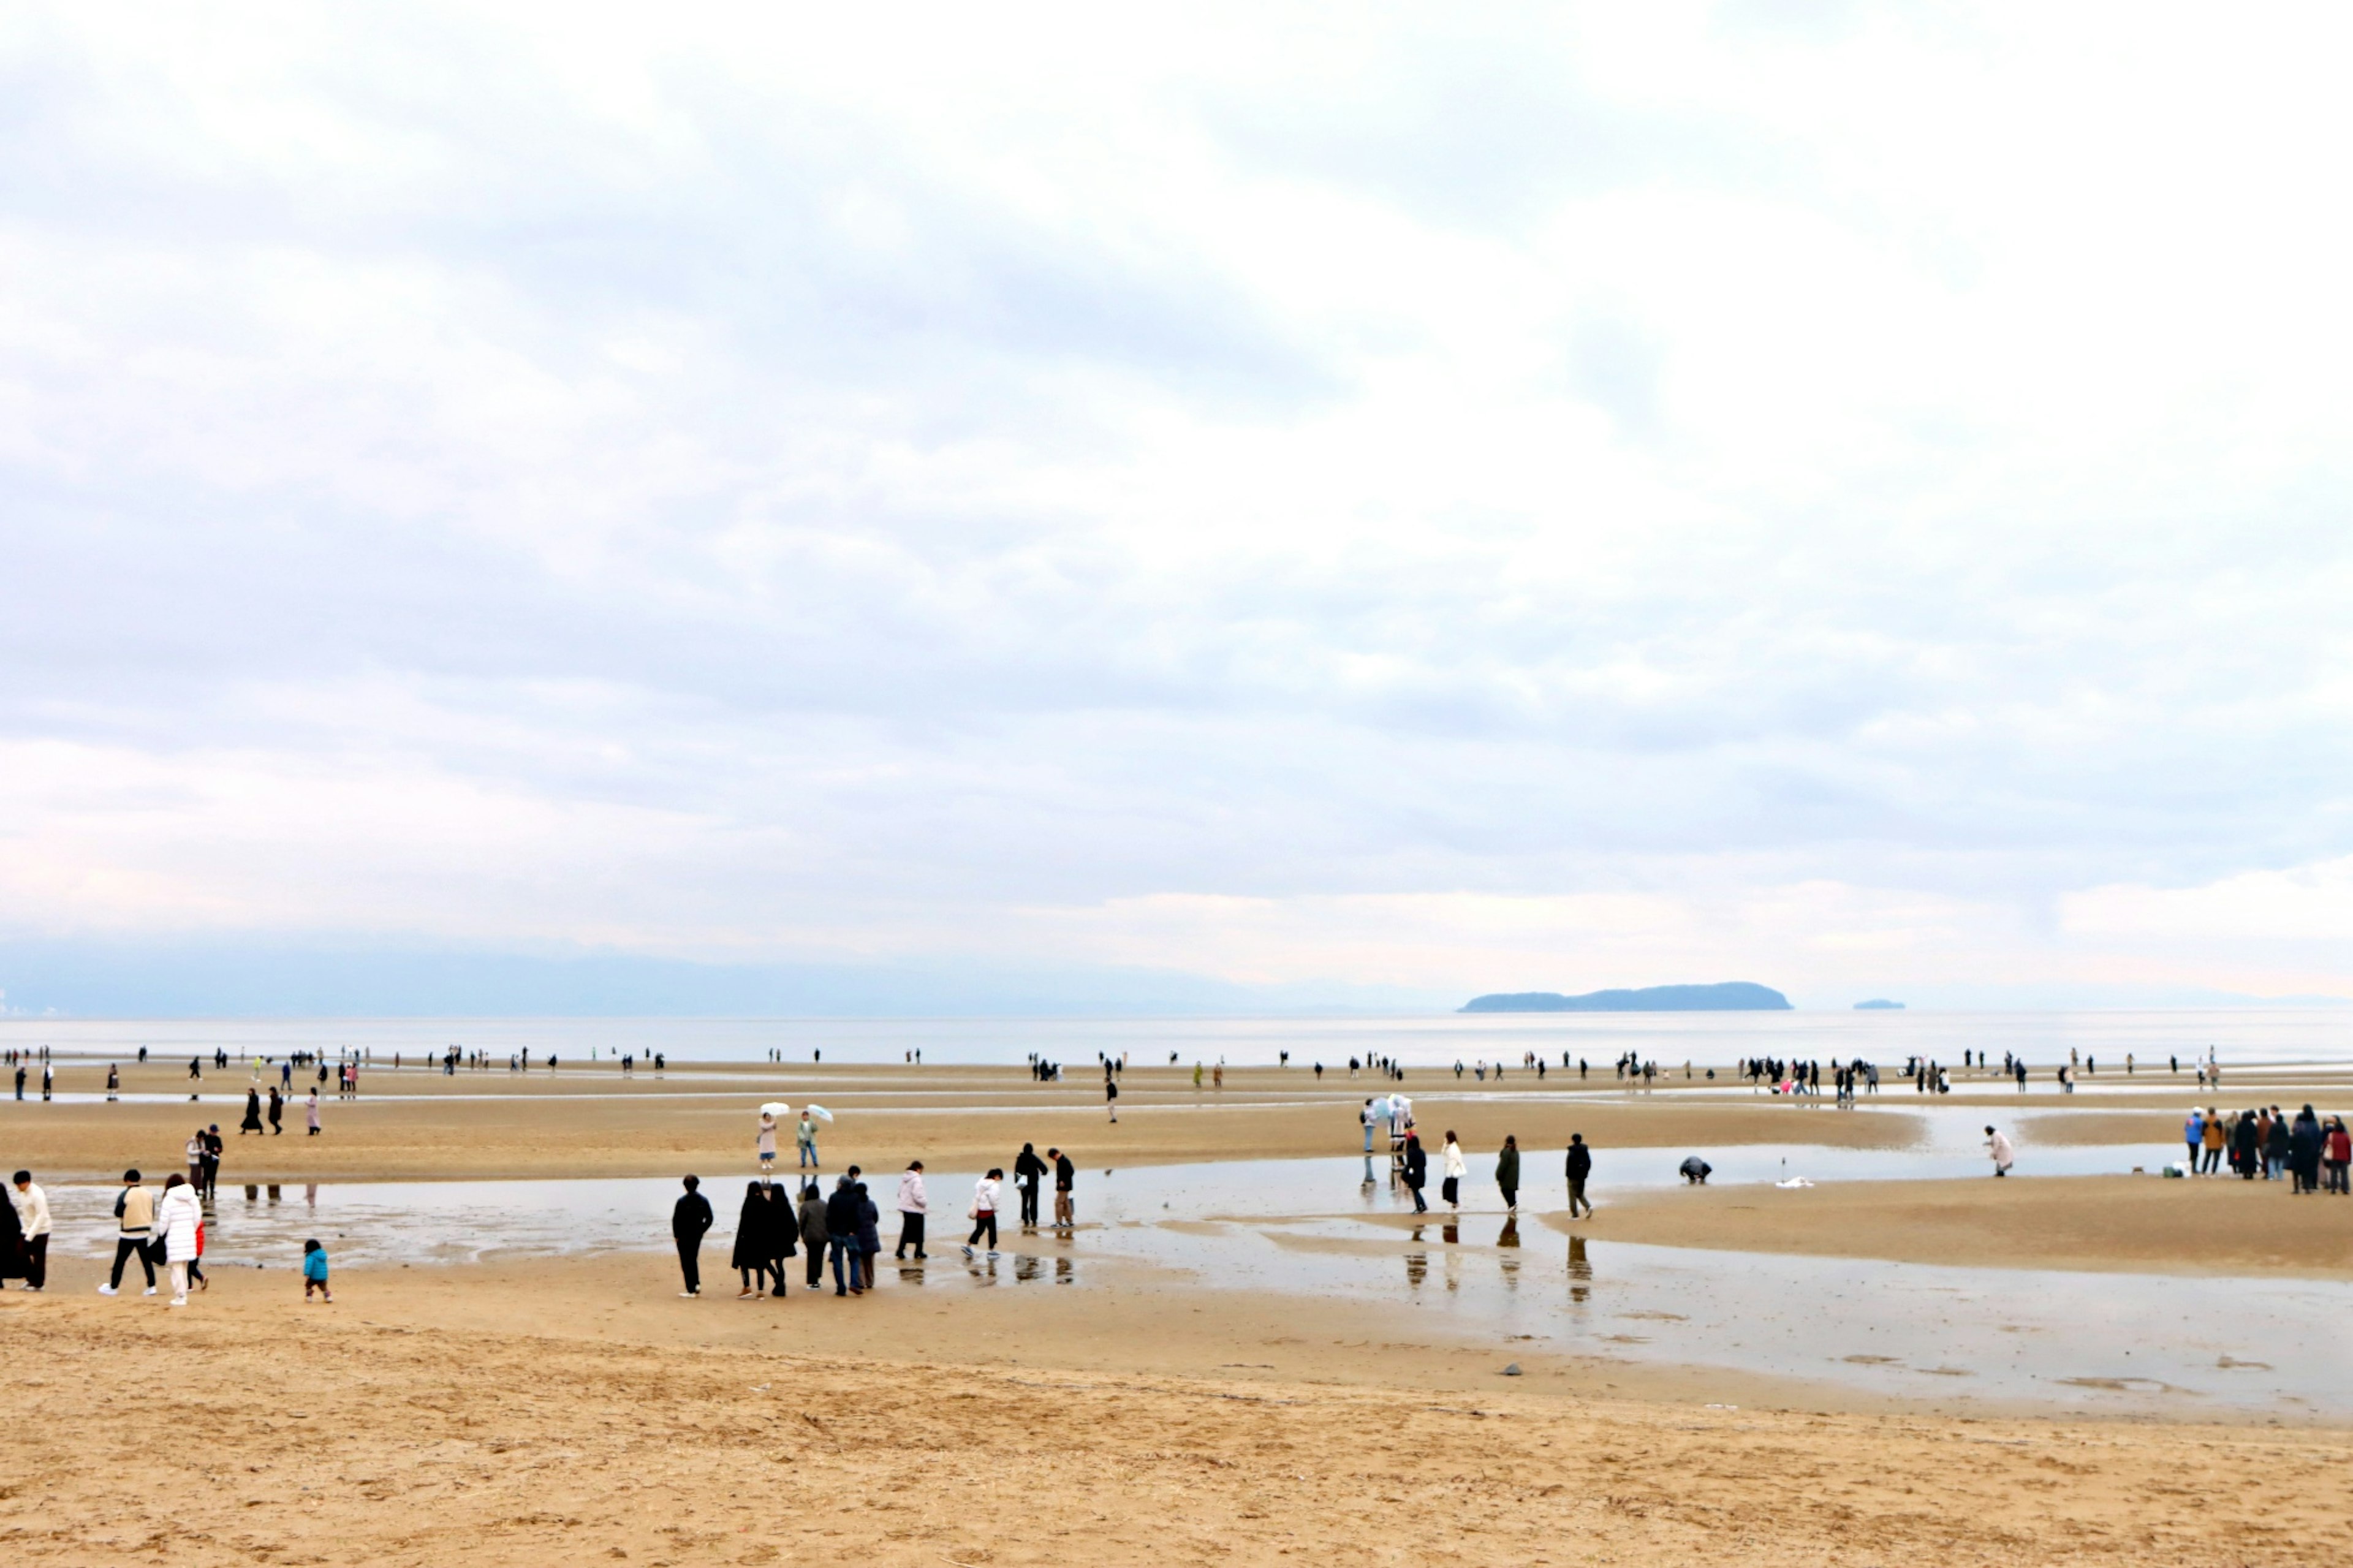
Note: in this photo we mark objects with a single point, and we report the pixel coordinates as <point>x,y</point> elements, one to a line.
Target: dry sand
<point>576,1413</point>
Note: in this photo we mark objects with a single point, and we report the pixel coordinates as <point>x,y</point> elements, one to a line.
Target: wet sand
<point>576,1412</point>
<point>416,1125</point>
<point>2211,1226</point>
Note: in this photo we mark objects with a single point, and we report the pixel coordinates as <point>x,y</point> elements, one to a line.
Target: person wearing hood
<point>688,1223</point>
<point>813,1235</point>
<point>1417,1170</point>
<point>912,1210</point>
<point>870,1239</point>
<point>1997,1146</point>
<point>755,1245</point>
<point>177,1217</point>
<point>1508,1174</point>
<point>2304,1151</point>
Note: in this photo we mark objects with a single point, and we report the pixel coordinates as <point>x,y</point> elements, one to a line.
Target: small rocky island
<point>1879,1004</point>
<point>1729,996</point>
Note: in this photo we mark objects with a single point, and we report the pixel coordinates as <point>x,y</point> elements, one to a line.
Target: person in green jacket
<point>1507,1173</point>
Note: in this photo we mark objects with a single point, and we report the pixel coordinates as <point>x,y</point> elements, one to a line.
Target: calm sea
<point>2243,1035</point>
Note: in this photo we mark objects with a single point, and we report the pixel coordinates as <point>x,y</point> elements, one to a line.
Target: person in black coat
<point>1028,1172</point>
<point>688,1223</point>
<point>755,1241</point>
<point>843,1209</point>
<point>783,1230</point>
<point>15,1256</point>
<point>2304,1151</point>
<point>1580,1166</point>
<point>1417,1170</point>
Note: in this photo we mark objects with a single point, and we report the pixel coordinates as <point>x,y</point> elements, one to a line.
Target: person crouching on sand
<point>1997,1146</point>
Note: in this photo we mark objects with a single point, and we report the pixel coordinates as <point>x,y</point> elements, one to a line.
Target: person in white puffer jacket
<point>913,1208</point>
<point>176,1218</point>
<point>1455,1171</point>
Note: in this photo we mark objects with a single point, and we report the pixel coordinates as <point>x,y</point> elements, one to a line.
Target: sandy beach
<point>519,1410</point>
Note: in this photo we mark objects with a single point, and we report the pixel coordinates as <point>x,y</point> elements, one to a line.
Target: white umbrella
<point>777,1109</point>
<point>820,1111</point>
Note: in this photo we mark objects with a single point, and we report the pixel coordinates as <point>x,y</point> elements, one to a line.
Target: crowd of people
<point>843,1226</point>
<point>2265,1143</point>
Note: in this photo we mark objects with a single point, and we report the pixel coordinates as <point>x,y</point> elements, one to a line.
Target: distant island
<point>1731,996</point>
<point>1879,1004</point>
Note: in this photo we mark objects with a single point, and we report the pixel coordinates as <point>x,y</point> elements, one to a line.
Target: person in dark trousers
<point>1508,1174</point>
<point>688,1222</point>
<point>134,1217</point>
<point>870,1232</point>
<point>277,1113</point>
<point>215,1147</point>
<point>1066,1177</point>
<point>813,1235</point>
<point>914,1207</point>
<point>32,1207</point>
<point>841,1232</point>
<point>1417,1170</point>
<point>1580,1166</point>
<point>1028,1170</point>
<point>755,1242</point>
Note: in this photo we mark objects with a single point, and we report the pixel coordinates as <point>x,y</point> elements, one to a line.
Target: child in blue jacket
<point>314,1271</point>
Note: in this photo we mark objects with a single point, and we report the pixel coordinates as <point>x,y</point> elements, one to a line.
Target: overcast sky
<point>1449,499</point>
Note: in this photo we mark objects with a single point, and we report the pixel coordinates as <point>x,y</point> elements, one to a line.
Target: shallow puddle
<point>1991,1337</point>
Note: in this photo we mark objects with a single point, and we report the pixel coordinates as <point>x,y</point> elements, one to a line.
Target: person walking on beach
<point>32,1207</point>
<point>1997,1146</point>
<point>913,1209</point>
<point>1580,1167</point>
<point>755,1241</point>
<point>135,1219</point>
<point>766,1142</point>
<point>252,1122</point>
<point>813,1235</point>
<point>1508,1174</point>
<point>314,1271</point>
<point>983,1212</point>
<point>805,1138</point>
<point>1417,1171</point>
<point>688,1222</point>
<point>177,1217</point>
<point>310,1108</point>
<point>1027,1171</point>
<point>1452,1186</point>
<point>1066,1177</point>
<point>277,1113</point>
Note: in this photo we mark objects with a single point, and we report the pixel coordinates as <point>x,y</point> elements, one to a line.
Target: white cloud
<point>1656,494</point>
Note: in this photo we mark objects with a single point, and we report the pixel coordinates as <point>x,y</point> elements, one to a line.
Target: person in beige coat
<point>134,1217</point>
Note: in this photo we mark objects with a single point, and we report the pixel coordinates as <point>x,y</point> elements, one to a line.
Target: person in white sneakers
<point>33,1214</point>
<point>135,1218</point>
<point>984,1211</point>
<point>913,1209</point>
<point>176,1219</point>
